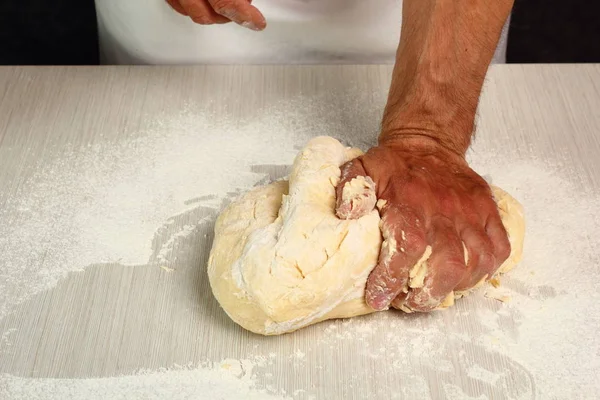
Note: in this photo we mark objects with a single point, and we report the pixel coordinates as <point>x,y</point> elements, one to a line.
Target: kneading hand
<point>428,196</point>
<point>208,12</point>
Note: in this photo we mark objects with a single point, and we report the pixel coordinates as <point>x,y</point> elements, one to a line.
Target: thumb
<point>355,192</point>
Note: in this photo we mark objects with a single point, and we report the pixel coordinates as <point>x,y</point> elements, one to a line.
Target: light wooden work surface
<point>107,320</point>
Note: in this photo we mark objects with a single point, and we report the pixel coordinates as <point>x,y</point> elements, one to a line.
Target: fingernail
<point>234,16</point>
<point>250,25</point>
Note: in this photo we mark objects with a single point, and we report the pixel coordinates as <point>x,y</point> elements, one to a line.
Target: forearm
<point>445,49</point>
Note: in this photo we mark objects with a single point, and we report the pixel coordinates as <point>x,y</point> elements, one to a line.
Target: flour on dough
<point>282,260</point>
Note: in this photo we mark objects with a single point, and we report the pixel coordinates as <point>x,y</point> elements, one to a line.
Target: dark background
<point>64,32</point>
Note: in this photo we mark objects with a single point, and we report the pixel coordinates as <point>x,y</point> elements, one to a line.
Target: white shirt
<point>298,31</point>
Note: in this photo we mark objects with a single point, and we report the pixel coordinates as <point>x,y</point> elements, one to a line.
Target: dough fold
<point>282,260</point>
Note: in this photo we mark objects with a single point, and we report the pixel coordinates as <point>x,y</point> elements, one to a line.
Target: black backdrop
<point>64,32</point>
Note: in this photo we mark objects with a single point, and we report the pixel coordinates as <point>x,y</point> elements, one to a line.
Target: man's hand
<point>208,12</point>
<point>428,196</point>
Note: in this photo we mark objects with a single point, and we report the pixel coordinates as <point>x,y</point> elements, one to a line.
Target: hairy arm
<point>444,53</point>
<point>431,199</point>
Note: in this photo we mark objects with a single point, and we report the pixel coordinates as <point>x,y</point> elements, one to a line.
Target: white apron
<point>298,32</point>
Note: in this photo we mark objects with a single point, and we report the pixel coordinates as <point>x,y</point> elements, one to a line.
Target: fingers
<point>355,193</point>
<point>201,12</point>
<point>487,250</point>
<point>403,245</point>
<point>487,246</point>
<point>241,12</point>
<point>445,267</point>
<point>482,261</point>
<point>495,230</point>
<point>177,7</point>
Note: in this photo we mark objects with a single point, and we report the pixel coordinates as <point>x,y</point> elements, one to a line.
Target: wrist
<point>426,135</point>
<point>441,64</point>
<point>431,104</point>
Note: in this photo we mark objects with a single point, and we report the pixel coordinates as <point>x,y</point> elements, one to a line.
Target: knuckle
<point>406,228</point>
<point>486,247</point>
<point>480,249</point>
<point>487,261</point>
<point>452,273</point>
<point>415,242</point>
<point>471,212</point>
<point>455,263</point>
<point>503,248</point>
<point>413,239</point>
<point>447,269</point>
<point>222,5</point>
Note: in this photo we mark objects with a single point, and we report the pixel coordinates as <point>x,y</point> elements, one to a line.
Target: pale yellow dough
<point>282,259</point>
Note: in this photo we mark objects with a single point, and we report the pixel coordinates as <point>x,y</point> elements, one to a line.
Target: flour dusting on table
<point>229,379</point>
<point>104,203</point>
<point>116,203</point>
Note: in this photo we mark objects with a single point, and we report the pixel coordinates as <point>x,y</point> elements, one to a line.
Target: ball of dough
<point>282,260</point>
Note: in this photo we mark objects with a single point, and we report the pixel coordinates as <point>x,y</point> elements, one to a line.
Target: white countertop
<point>110,181</point>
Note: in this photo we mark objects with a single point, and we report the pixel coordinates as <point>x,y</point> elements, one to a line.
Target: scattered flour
<point>104,203</point>
<point>115,201</point>
<point>229,379</point>
<point>167,250</point>
<point>5,341</point>
<point>108,202</point>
